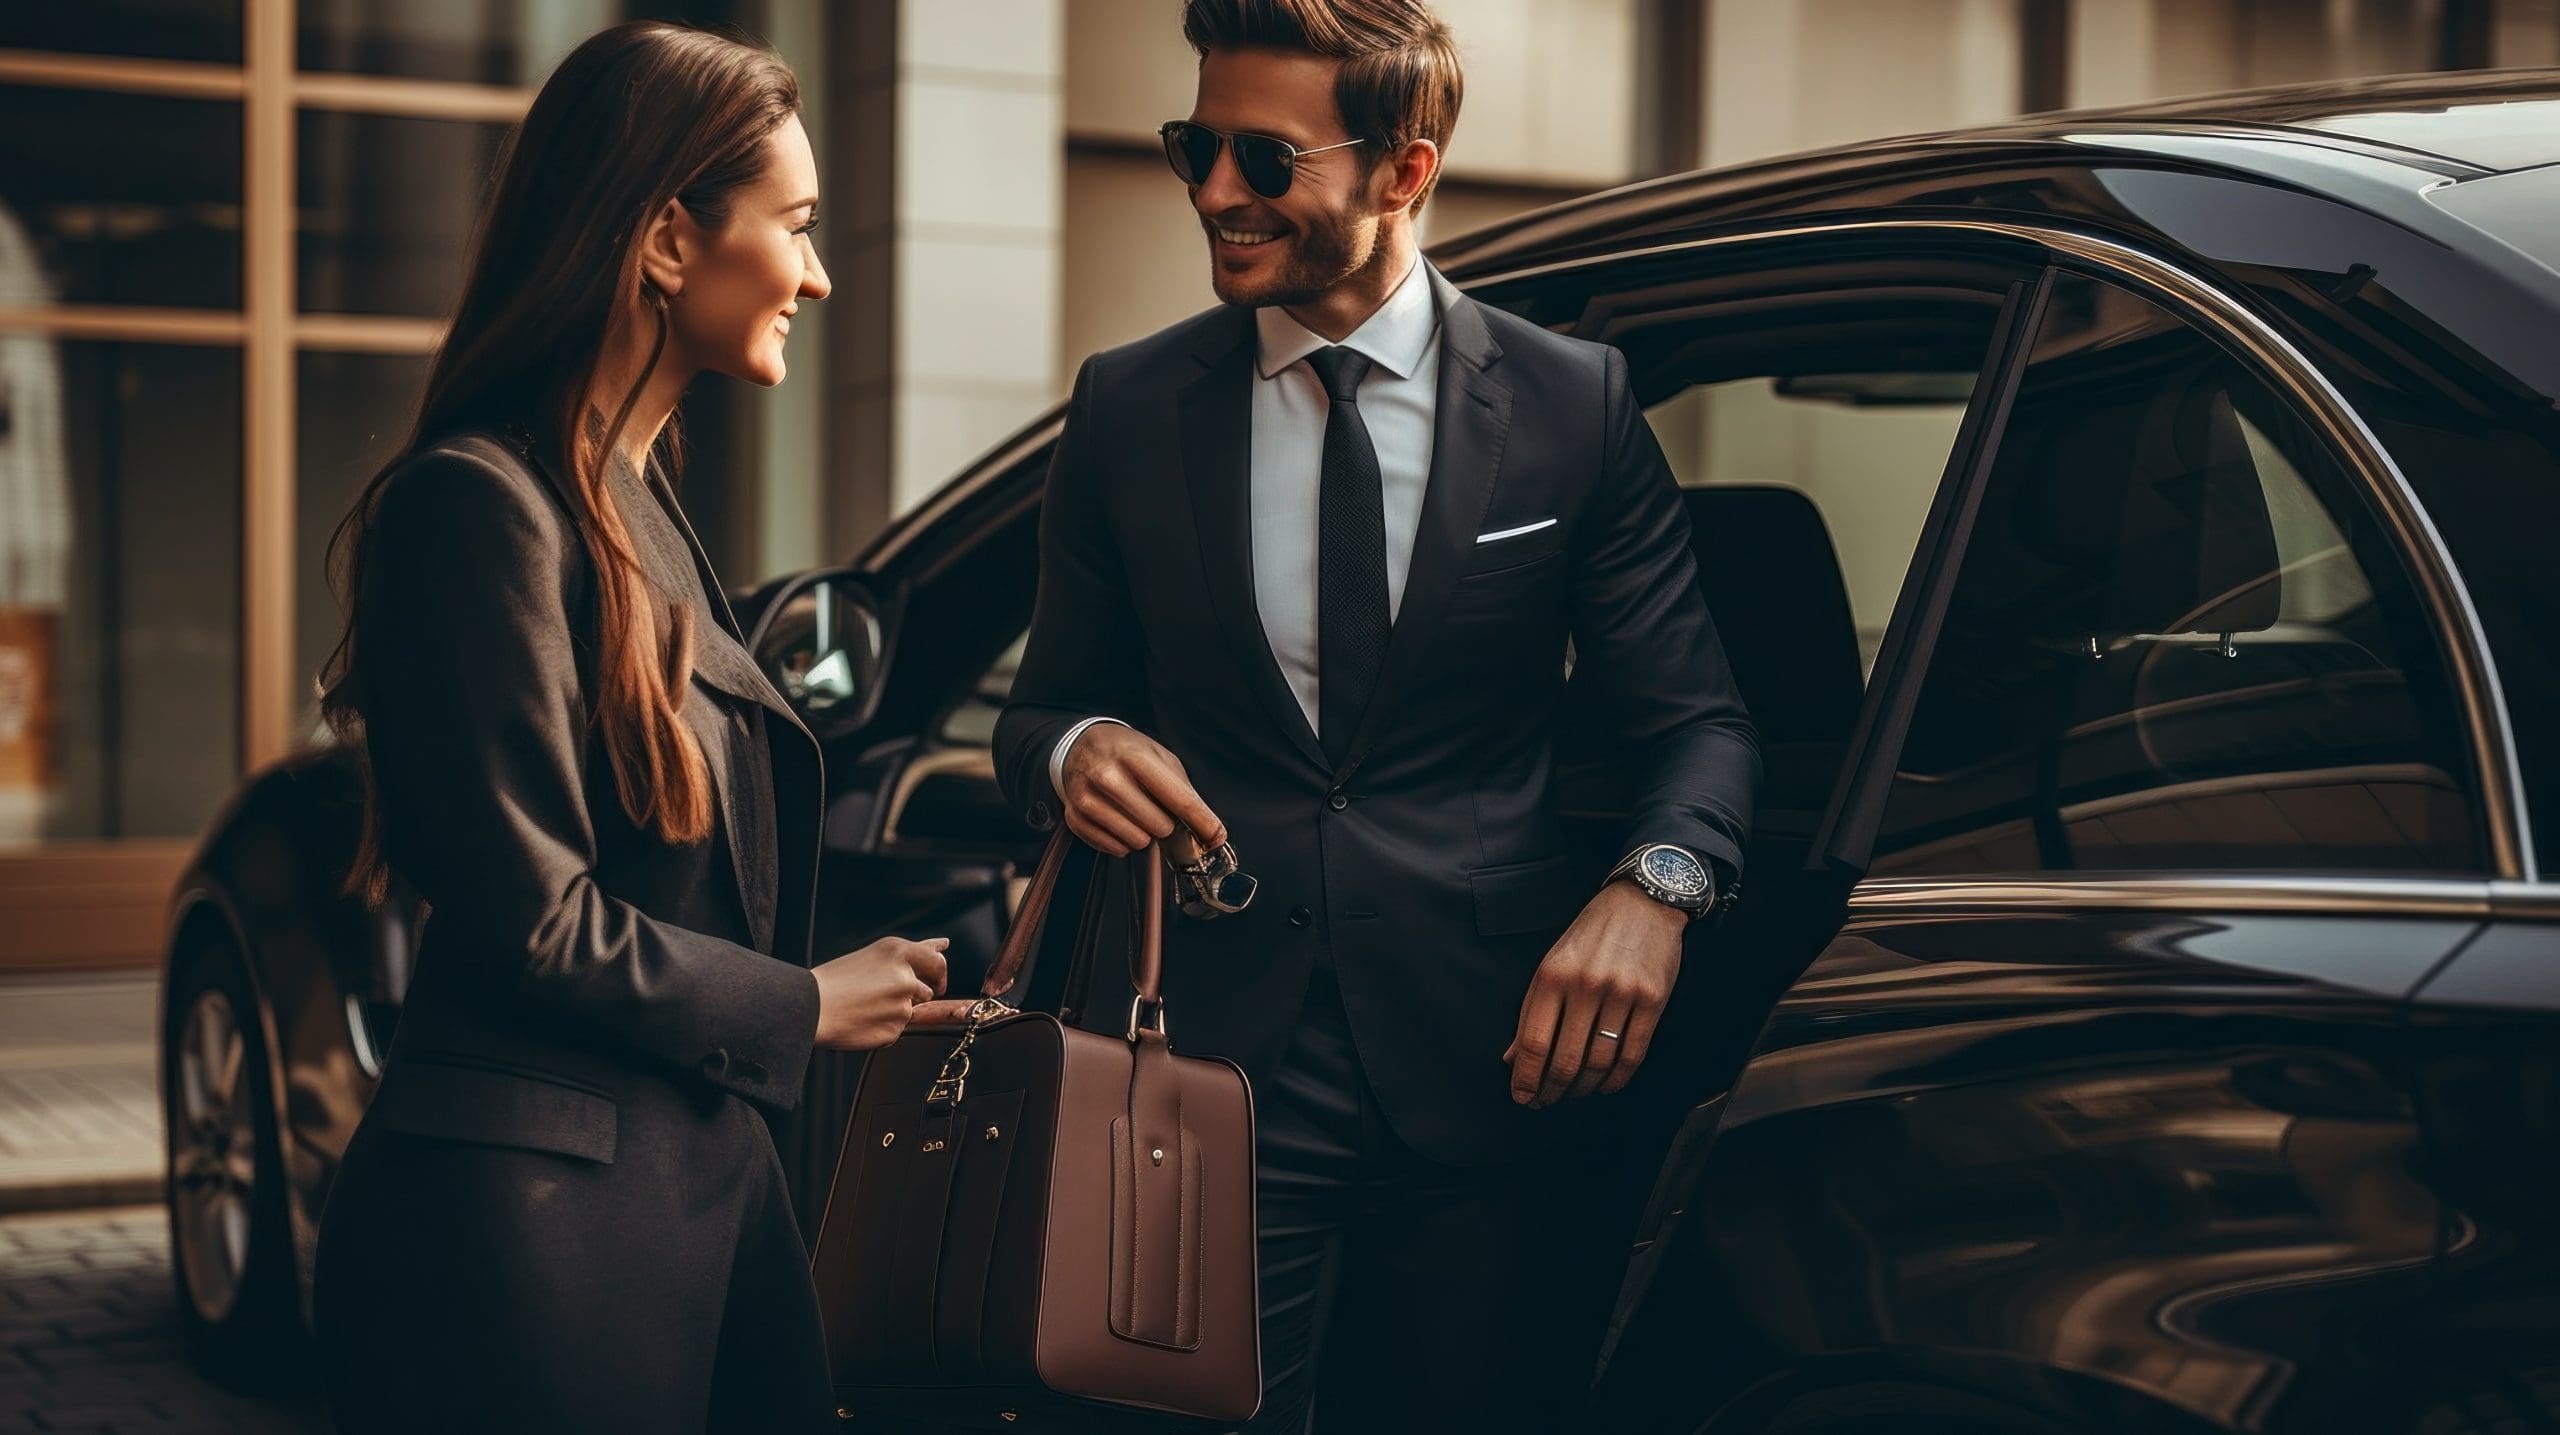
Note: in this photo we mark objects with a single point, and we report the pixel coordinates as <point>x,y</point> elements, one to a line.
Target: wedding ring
<point>1613,1036</point>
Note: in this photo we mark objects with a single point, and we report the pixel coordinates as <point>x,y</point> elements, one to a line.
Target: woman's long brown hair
<point>639,114</point>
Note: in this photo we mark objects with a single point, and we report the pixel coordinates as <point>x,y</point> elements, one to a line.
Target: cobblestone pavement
<point>90,1340</point>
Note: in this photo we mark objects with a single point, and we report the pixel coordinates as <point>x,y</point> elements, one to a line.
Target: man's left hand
<point>1612,971</point>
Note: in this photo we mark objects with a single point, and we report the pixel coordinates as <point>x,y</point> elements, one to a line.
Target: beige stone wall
<point>1549,112</point>
<point>2526,32</point>
<point>2125,51</point>
<point>1550,90</point>
<point>1790,75</point>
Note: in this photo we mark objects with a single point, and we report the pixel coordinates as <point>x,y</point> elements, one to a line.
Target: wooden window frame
<point>91,904</point>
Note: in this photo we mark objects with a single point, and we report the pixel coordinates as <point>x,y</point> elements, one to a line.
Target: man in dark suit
<point>1309,565</point>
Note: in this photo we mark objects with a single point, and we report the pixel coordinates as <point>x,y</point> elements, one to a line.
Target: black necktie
<point>1351,556</point>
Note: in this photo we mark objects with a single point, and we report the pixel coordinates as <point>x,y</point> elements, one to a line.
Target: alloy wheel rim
<point>214,1155</point>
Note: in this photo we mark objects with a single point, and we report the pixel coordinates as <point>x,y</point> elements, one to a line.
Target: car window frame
<point>2467,768</point>
<point>2261,352</point>
<point>1845,839</point>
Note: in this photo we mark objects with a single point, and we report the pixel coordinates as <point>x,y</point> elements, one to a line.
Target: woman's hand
<point>866,996</point>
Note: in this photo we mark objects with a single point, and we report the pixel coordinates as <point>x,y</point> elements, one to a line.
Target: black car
<point>2133,533</point>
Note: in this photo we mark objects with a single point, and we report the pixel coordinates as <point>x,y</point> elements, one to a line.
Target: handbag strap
<point>1029,917</point>
<point>1146,931</point>
<point>1075,990</point>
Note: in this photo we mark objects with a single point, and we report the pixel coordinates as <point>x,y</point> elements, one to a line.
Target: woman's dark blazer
<point>561,1150</point>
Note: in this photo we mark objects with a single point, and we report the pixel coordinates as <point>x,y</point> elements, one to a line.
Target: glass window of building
<point>166,503</point>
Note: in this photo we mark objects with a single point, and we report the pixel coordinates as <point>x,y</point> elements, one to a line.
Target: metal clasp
<point>952,1081</point>
<point>1154,1020</point>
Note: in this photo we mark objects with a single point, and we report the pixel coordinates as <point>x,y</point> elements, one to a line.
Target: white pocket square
<point>1515,532</point>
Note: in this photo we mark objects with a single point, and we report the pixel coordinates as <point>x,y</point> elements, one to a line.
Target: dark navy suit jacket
<point>1430,860</point>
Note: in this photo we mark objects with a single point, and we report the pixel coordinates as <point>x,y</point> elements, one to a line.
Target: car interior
<point>2172,643</point>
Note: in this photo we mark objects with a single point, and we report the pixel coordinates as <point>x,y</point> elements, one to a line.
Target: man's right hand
<point>1124,789</point>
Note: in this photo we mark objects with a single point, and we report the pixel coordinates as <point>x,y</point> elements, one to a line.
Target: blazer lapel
<point>1471,418</point>
<point>676,564</point>
<point>664,539</point>
<point>719,649</point>
<point>1216,419</point>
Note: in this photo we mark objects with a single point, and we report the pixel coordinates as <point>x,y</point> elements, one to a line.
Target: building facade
<point>229,228</point>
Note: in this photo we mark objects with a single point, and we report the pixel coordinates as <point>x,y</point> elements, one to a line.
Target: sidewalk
<point>79,1095</point>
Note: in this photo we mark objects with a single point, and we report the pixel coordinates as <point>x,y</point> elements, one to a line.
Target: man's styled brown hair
<point>1400,79</point>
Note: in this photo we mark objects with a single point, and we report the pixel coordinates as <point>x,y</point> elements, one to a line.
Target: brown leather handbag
<point>1036,1226</point>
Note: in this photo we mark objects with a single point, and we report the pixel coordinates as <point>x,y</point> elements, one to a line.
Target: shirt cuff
<point>1058,755</point>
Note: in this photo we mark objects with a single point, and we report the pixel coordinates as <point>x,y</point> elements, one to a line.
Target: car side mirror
<point>824,639</point>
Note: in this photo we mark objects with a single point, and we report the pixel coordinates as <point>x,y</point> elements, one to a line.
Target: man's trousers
<point>1399,1294</point>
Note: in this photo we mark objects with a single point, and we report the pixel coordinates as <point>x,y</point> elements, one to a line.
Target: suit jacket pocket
<point>1543,895</point>
<point>500,1106</point>
<point>1511,555</point>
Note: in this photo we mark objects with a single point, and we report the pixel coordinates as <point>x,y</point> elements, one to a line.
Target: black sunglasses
<point>1267,164</point>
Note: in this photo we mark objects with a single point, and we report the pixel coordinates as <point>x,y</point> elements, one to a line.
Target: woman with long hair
<point>563,1209</point>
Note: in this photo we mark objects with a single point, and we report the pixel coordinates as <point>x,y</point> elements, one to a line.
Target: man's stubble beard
<point>1320,259</point>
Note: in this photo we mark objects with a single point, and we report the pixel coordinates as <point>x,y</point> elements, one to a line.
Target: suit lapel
<point>1471,418</point>
<point>719,649</point>
<point>676,564</point>
<point>675,561</point>
<point>1216,417</point>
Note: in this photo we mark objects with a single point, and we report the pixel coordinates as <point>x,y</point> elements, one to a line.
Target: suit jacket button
<point>1338,800</point>
<point>1040,816</point>
<point>1300,916</point>
<point>716,1064</point>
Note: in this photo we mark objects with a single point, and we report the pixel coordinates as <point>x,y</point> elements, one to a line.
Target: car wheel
<point>230,1239</point>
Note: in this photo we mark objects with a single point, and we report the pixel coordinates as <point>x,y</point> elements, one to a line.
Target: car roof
<point>2494,120</point>
<point>2409,131</point>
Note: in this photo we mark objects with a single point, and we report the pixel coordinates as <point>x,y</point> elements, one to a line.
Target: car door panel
<point>2485,1049</point>
<point>2130,1149</point>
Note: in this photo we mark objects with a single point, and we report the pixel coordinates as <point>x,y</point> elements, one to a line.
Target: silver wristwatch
<point>1675,877</point>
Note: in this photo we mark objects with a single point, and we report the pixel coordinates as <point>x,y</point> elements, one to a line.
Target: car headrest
<point>1772,581</point>
<point>2150,505</point>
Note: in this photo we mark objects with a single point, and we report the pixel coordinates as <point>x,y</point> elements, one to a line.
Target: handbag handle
<point>1146,944</point>
<point>1029,917</point>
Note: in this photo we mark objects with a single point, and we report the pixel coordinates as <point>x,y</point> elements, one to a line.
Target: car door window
<point>2178,639</point>
<point>1861,453</point>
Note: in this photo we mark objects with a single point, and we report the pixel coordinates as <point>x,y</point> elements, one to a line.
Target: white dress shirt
<point>1398,397</point>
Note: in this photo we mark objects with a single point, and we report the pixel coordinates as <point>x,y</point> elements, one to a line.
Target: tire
<point>230,1237</point>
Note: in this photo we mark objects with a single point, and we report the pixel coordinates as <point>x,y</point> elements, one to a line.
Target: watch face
<point>1676,871</point>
